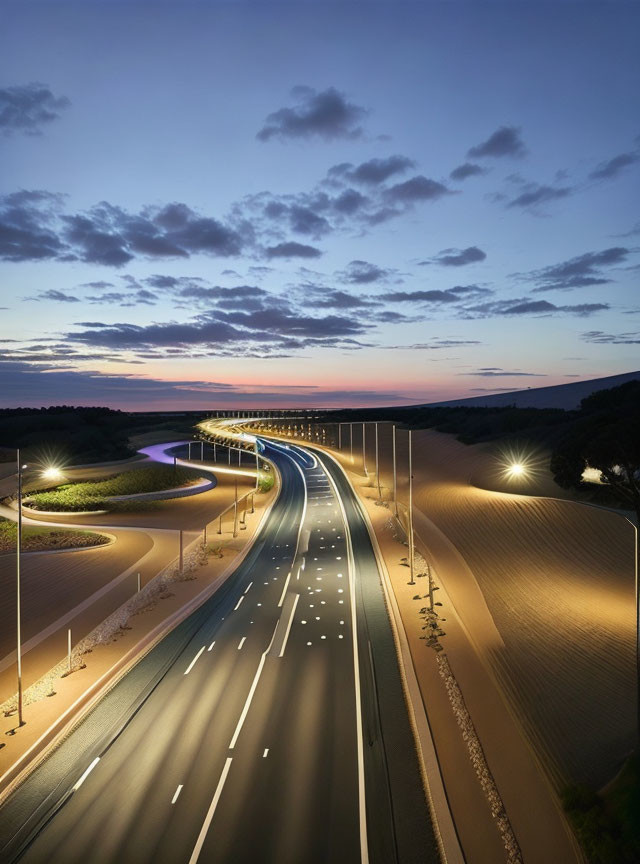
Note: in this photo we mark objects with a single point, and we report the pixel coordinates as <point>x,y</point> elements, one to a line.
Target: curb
<point>17,773</point>
<point>441,816</point>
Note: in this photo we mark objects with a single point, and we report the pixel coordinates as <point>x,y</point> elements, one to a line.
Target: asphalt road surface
<point>268,727</point>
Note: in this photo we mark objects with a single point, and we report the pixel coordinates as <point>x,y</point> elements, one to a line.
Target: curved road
<point>269,726</point>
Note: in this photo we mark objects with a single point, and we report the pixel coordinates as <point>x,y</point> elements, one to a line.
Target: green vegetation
<point>92,495</point>
<point>46,539</point>
<point>607,824</point>
<point>265,482</point>
<point>605,435</point>
<point>66,435</point>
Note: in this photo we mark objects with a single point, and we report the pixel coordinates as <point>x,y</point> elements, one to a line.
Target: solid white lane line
<point>193,662</point>
<point>284,590</point>
<point>364,845</point>
<point>264,755</point>
<point>290,622</point>
<point>176,793</point>
<point>248,586</point>
<point>211,646</point>
<point>212,809</point>
<point>86,773</point>
<point>241,642</point>
<point>235,608</point>
<point>254,684</point>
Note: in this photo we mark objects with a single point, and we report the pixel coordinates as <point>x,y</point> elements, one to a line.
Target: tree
<point>606,439</point>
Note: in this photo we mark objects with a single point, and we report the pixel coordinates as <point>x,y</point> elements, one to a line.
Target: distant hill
<point>564,396</point>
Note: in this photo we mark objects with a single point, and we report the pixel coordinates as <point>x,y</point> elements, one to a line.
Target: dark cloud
<point>270,325</point>
<point>25,385</point>
<point>427,296</point>
<point>494,372</point>
<point>58,296</point>
<point>598,337</point>
<point>435,345</point>
<point>336,299</point>
<point>457,257</point>
<point>28,108</point>
<point>418,188</point>
<point>457,294</point>
<point>25,226</point>
<point>292,250</point>
<point>33,228</point>
<point>612,167</point>
<point>372,172</point>
<point>536,194</point>
<point>303,220</point>
<point>579,272</point>
<point>527,306</point>
<point>467,169</point>
<point>349,202</point>
<point>326,114</point>
<point>363,273</point>
<point>505,141</point>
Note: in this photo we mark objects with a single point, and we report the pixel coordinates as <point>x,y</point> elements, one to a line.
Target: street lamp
<point>52,474</point>
<point>594,475</point>
<point>516,469</point>
<point>21,468</point>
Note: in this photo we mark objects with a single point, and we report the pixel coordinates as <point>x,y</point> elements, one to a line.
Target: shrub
<point>92,495</point>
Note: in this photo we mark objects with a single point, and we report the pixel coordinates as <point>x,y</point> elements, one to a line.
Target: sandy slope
<point>556,615</point>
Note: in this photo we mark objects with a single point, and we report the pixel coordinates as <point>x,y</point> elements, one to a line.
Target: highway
<point>269,726</point>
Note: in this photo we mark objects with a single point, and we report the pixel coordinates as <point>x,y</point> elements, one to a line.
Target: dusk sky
<point>233,205</point>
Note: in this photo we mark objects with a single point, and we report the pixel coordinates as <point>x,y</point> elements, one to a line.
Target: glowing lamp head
<point>517,469</point>
<point>52,474</point>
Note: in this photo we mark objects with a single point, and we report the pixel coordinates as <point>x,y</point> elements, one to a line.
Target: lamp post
<point>378,465</point>
<point>411,547</point>
<point>21,468</point>
<point>395,476</point>
<point>635,560</point>
<point>364,449</point>
<point>351,441</point>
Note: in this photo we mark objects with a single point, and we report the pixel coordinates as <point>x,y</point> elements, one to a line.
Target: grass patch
<point>608,824</point>
<point>47,539</point>
<point>92,495</point>
<point>265,483</point>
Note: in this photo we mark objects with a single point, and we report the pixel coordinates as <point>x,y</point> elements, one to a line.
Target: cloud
<point>28,108</point>
<point>457,294</point>
<point>25,385</point>
<point>458,257</point>
<point>25,226</point>
<point>613,167</point>
<point>434,346</point>
<point>528,306</point>
<point>494,372</point>
<point>598,337</point>
<point>58,296</point>
<point>363,273</point>
<point>269,327</point>
<point>467,169</point>
<point>505,141</point>
<point>535,194</point>
<point>579,272</point>
<point>427,296</point>
<point>326,114</point>
<point>418,188</point>
<point>32,228</point>
<point>349,202</point>
<point>336,299</point>
<point>292,250</point>
<point>373,172</point>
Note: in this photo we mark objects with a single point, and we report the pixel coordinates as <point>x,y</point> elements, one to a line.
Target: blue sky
<point>332,204</point>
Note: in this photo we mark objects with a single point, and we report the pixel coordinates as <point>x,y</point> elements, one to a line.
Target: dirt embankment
<point>557,578</point>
